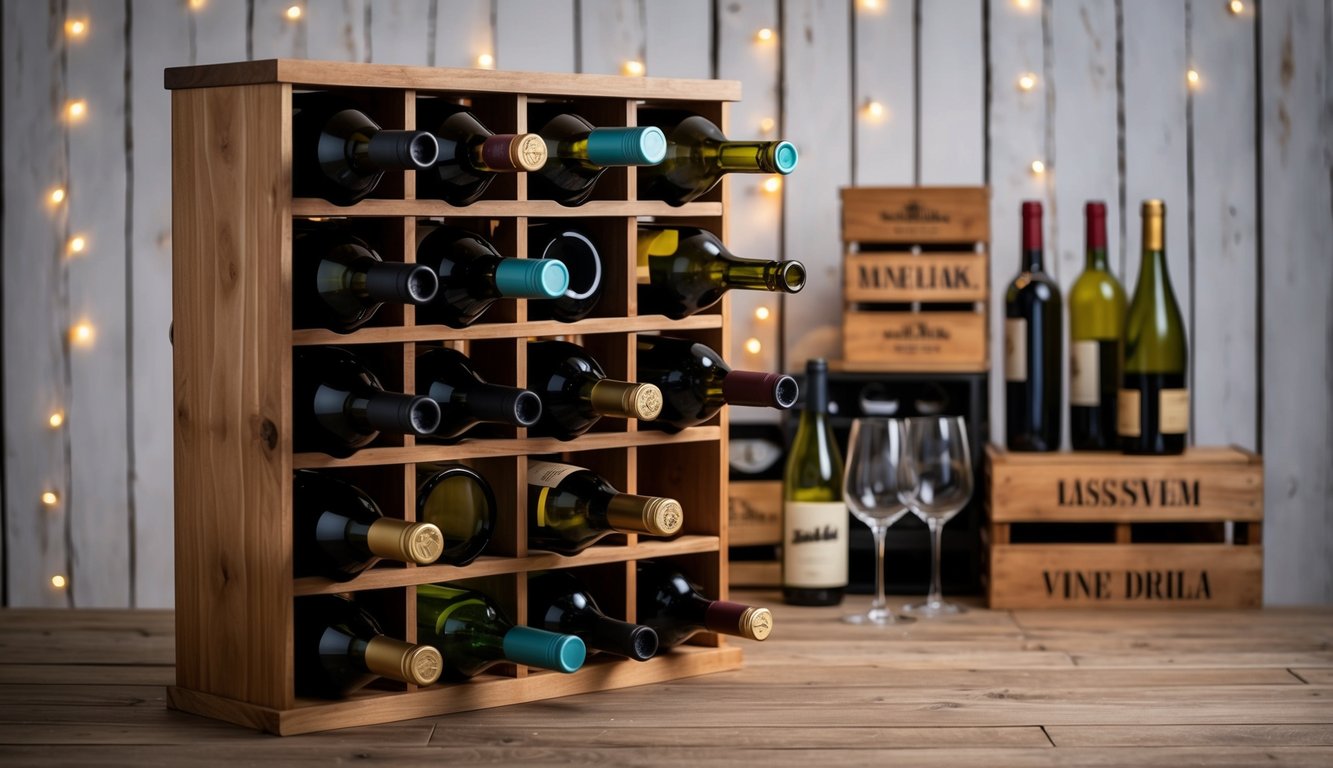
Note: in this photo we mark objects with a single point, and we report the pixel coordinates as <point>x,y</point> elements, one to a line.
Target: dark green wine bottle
<point>677,609</point>
<point>577,153</point>
<point>471,156</point>
<point>339,282</point>
<point>683,270</point>
<point>570,508</point>
<point>558,601</point>
<point>341,648</point>
<point>1154,404</point>
<point>814,567</point>
<point>446,376</point>
<point>696,382</point>
<point>1032,339</point>
<point>698,155</point>
<point>473,634</point>
<point>473,276</point>
<point>460,503</point>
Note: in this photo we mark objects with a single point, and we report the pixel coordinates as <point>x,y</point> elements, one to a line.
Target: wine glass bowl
<point>876,481</point>
<point>941,465</point>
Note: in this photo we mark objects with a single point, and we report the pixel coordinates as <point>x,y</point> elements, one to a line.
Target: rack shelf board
<point>523,330</point>
<point>537,209</point>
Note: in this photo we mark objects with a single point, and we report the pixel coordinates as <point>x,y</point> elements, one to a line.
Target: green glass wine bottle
<point>1096,342</point>
<point>473,634</point>
<point>684,270</point>
<point>814,567</point>
<point>698,155</point>
<point>1154,405</point>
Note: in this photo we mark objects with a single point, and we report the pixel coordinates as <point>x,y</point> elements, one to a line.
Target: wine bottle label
<point>1085,374</point>
<point>548,474</point>
<point>1015,349</point>
<point>1127,412</point>
<point>1173,411</point>
<point>814,544</point>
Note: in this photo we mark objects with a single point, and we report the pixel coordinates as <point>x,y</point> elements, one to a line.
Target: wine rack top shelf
<point>339,74</point>
<point>543,209</point>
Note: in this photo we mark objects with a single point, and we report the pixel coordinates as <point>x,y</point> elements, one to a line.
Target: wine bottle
<point>338,406</point>
<point>340,154</point>
<point>576,250</point>
<point>559,602</point>
<point>696,382</point>
<point>676,609</point>
<point>814,516</point>
<point>575,392</point>
<point>1032,338</point>
<point>1096,352</point>
<point>570,508</point>
<point>473,276</point>
<point>577,153</point>
<point>1154,404</point>
<point>340,648</point>
<point>698,155</point>
<point>471,155</point>
<point>473,634</point>
<point>683,270</point>
<point>460,503</point>
<point>465,399</point>
<point>339,282</point>
<point>339,531</point>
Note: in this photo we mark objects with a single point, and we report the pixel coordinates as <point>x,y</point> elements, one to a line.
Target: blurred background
<point>1222,109</point>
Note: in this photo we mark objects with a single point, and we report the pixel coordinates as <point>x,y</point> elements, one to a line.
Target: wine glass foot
<point>876,618</point>
<point>932,608</point>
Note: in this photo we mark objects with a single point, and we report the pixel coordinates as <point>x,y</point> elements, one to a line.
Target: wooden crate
<point>754,519</point>
<point>915,278</point>
<point>1103,529</point>
<point>232,287</point>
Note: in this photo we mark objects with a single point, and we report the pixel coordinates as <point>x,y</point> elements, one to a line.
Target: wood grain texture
<point>232,282</point>
<point>903,277</point>
<point>915,341</point>
<point>818,113</point>
<point>951,85</point>
<point>907,216</point>
<point>884,72</point>
<point>1297,110</point>
<point>36,376</point>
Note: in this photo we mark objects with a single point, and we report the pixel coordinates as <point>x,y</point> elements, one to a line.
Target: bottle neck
<point>749,157</point>
<point>755,388</point>
<point>622,638</point>
<point>1096,260</point>
<point>1153,274</point>
<point>777,276</point>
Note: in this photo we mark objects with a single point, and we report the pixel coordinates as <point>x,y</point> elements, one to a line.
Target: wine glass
<point>877,476</point>
<point>942,468</point>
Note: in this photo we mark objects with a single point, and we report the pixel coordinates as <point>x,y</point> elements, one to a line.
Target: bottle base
<point>816,597</point>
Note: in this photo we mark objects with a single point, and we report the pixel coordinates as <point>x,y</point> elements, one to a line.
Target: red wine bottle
<point>1032,339</point>
<point>471,156</point>
<point>576,393</point>
<point>339,282</point>
<point>340,154</point>
<point>676,609</point>
<point>696,382</point>
<point>466,400</point>
<point>339,406</point>
<point>340,648</point>
<point>559,602</point>
<point>473,276</point>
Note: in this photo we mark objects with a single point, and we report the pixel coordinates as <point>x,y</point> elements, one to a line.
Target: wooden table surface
<point>1021,688</point>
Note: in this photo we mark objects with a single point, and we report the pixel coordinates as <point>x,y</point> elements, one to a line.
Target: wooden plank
<point>754,217</point>
<point>83,674</point>
<point>611,33</point>
<point>400,31</point>
<point>336,29</point>
<point>884,73</point>
<point>36,380</point>
<point>817,119</point>
<point>591,326</point>
<point>1315,676</point>
<point>305,206</point>
<point>678,38</point>
<point>1230,735</point>
<point>1155,137</point>
<point>160,38</point>
<point>755,512</point>
<point>906,216</point>
<point>464,30</point>
<point>1224,325</point>
<point>1018,136</point>
<point>951,84</point>
<point>905,277</point>
<point>641,738</point>
<point>231,237</point>
<point>1297,300</point>
<point>916,341</point>
<point>536,35</point>
<point>173,728</point>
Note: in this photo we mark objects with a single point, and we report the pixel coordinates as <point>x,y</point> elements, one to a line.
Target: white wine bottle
<point>814,516</point>
<point>698,155</point>
<point>570,508</point>
<point>1096,348</point>
<point>684,270</point>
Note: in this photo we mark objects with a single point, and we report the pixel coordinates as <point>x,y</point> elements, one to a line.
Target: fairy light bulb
<point>76,110</point>
<point>870,5</point>
<point>1023,4</point>
<point>56,419</point>
<point>77,244</point>
<point>57,196</point>
<point>486,61</point>
<point>753,346</point>
<point>1192,77</point>
<point>772,184</point>
<point>764,35</point>
<point>1038,167</point>
<point>76,28</point>
<point>767,125</point>
<point>761,313</point>
<point>58,581</point>
<point>632,68</point>
<point>294,12</point>
<point>196,5</point>
<point>82,334</point>
<point>1236,7</point>
<point>874,110</point>
<point>1027,81</point>
<point>50,499</point>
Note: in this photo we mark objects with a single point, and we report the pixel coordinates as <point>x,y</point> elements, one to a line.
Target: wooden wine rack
<point>232,300</point>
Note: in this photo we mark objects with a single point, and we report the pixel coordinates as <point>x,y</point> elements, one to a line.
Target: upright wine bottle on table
<point>339,531</point>
<point>1096,349</point>
<point>575,249</point>
<point>339,406</point>
<point>698,155</point>
<point>814,515</point>
<point>340,648</point>
<point>570,508</point>
<point>339,282</point>
<point>577,153</point>
<point>1032,339</point>
<point>683,270</point>
<point>473,634</point>
<point>1154,404</point>
<point>676,609</point>
<point>465,399</point>
<point>461,505</point>
<point>576,393</point>
<point>471,156</point>
<point>559,602</point>
<point>473,276</point>
<point>340,154</point>
<point>696,382</point>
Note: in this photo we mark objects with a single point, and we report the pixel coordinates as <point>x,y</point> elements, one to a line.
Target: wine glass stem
<point>936,595</point>
<point>880,532</point>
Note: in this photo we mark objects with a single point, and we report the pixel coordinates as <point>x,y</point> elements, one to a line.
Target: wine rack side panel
<point>231,367</point>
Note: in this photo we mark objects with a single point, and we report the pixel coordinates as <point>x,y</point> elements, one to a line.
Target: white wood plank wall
<point>1243,158</point>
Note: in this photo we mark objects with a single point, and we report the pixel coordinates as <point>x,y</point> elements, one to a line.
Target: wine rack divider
<point>232,290</point>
